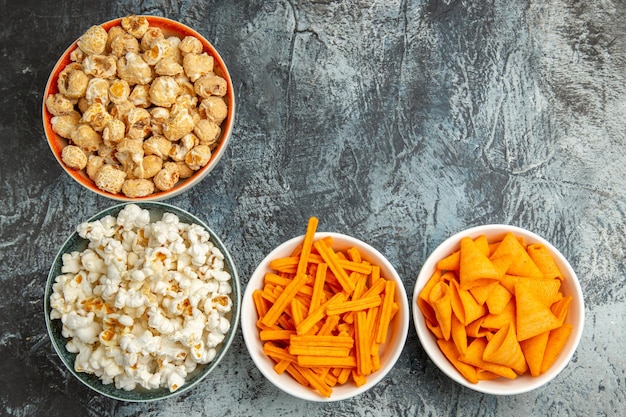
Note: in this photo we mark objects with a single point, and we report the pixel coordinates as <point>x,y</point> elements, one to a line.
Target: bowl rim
<point>284,382</point>
<point>216,155</point>
<point>94,383</point>
<point>500,386</point>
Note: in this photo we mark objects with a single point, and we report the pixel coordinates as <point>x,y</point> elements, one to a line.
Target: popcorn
<point>133,81</point>
<point>138,306</point>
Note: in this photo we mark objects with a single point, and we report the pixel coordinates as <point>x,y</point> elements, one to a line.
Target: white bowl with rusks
<point>389,351</point>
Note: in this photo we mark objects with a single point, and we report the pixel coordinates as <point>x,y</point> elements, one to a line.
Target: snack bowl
<point>170,185</point>
<point>569,287</point>
<point>389,351</point>
<point>108,309</point>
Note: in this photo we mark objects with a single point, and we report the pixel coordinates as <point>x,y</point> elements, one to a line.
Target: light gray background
<point>397,122</point>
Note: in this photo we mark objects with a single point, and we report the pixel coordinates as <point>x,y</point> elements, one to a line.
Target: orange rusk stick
<point>360,267</point>
<point>358,379</point>
<point>306,245</point>
<point>289,263</point>
<point>334,362</point>
<point>307,324</point>
<point>363,364</point>
<point>329,325</point>
<point>275,334</point>
<point>284,281</point>
<point>354,305</point>
<point>318,287</point>
<point>374,275</point>
<point>375,289</point>
<point>354,254</point>
<point>321,341</point>
<point>277,353</point>
<point>385,315</point>
<point>283,300</point>
<point>298,310</point>
<point>331,258</point>
<point>344,375</point>
<point>259,303</point>
<point>281,365</point>
<point>295,373</point>
<point>315,381</point>
<point>324,351</point>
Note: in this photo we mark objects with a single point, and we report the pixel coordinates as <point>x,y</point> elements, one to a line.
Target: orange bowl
<point>169,28</point>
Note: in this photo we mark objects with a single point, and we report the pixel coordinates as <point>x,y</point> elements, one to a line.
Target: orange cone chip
<point>533,317</point>
<point>496,308</point>
<point>534,349</point>
<point>504,349</point>
<point>498,299</point>
<point>556,341</point>
<point>475,267</point>
<point>544,261</point>
<point>474,356</point>
<point>440,300</point>
<point>522,264</point>
<point>469,309</point>
<point>449,350</point>
<point>422,299</point>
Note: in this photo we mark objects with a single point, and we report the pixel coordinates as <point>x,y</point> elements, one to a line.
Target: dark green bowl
<point>76,243</point>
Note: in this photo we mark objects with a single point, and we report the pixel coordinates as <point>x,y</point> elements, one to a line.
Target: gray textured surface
<point>398,122</point>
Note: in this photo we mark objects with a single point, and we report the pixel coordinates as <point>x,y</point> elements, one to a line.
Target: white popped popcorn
<point>137,306</point>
